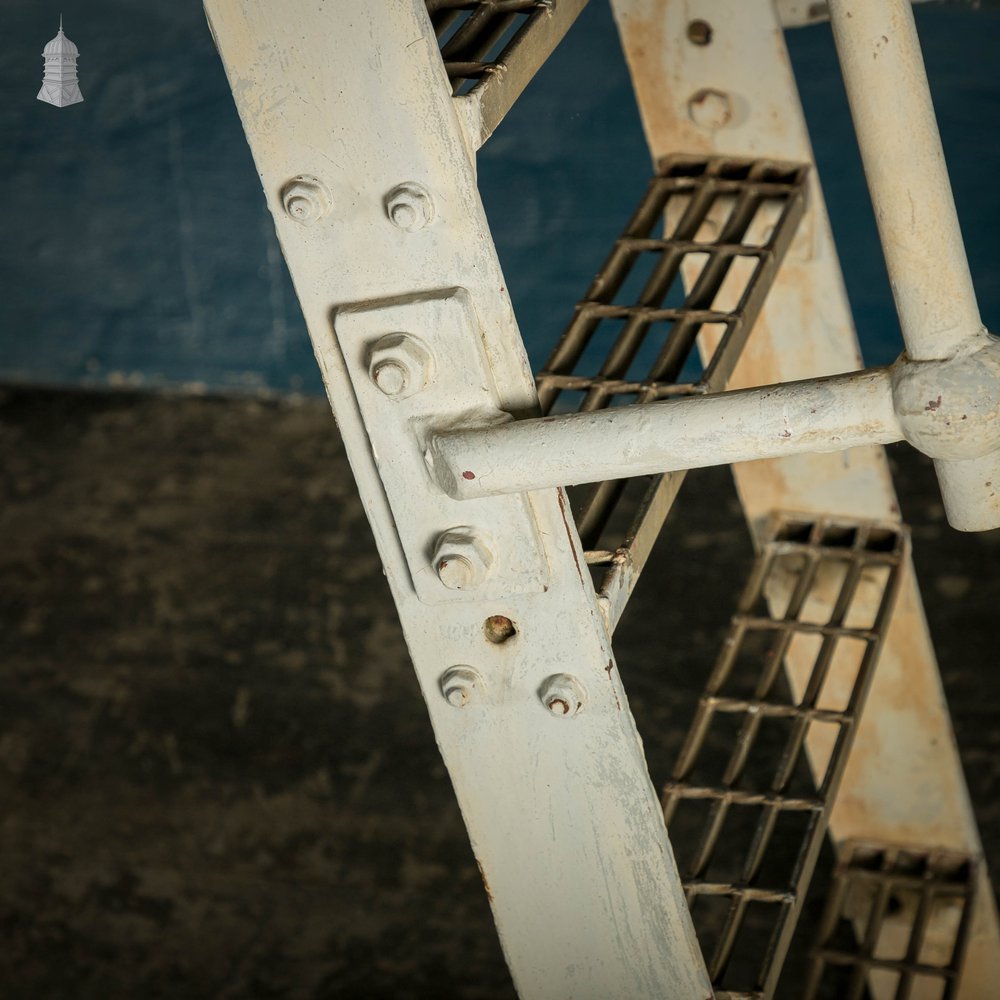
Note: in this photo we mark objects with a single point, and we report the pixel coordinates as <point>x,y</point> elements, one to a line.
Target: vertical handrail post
<point>904,163</point>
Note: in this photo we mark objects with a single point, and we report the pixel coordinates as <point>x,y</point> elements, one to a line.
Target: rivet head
<point>699,32</point>
<point>409,207</point>
<point>400,365</point>
<point>498,629</point>
<point>305,199</point>
<point>563,695</point>
<point>710,109</point>
<point>463,558</point>
<point>460,685</point>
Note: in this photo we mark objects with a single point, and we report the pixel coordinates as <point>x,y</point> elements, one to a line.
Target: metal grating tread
<point>750,794</point>
<point>492,48</point>
<point>634,338</point>
<point>474,35</point>
<point>896,922</point>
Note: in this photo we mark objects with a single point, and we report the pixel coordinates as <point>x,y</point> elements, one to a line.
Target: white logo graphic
<point>59,86</point>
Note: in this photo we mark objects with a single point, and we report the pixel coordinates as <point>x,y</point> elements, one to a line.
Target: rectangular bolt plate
<point>461,389</point>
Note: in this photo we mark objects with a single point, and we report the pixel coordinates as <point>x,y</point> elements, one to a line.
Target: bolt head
<point>403,215</point>
<point>710,109</point>
<point>409,207</point>
<point>457,572</point>
<point>460,685</point>
<point>563,695</point>
<point>400,365</point>
<point>391,376</point>
<point>463,558</point>
<point>305,199</point>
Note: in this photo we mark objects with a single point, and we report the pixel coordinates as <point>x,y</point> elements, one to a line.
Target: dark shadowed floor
<point>217,774</point>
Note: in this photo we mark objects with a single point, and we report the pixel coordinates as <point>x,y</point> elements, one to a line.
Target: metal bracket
<point>455,551</point>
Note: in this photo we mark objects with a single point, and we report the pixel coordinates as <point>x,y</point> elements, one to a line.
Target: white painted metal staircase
<point>364,121</point>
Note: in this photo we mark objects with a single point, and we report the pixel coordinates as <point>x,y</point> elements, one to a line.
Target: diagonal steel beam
<point>364,166</point>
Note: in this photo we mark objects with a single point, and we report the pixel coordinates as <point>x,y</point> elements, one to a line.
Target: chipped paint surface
<point>796,13</point>
<point>561,813</point>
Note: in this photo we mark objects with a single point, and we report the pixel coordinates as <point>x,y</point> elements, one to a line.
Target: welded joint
<point>950,409</point>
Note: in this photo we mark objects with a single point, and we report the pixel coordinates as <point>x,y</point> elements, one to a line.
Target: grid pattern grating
<point>717,227</point>
<point>750,793</point>
<point>896,922</point>
<point>476,36</point>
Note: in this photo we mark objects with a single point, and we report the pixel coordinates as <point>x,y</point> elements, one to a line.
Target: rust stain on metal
<point>607,670</point>
<point>486,884</point>
<point>561,495</point>
<point>498,629</point>
<point>645,45</point>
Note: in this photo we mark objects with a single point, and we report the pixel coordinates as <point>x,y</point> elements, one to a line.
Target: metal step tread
<point>754,782</point>
<point>492,48</point>
<point>896,921</point>
<point>719,227</point>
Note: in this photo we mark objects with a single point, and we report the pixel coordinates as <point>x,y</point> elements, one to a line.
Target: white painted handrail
<point>904,163</point>
<point>949,410</point>
<point>816,415</point>
<point>943,396</point>
<point>797,13</point>
<point>898,135</point>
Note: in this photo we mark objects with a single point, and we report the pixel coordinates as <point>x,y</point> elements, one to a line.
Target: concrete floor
<point>217,774</point>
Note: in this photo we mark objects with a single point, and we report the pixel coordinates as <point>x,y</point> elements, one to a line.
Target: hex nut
<point>305,199</point>
<point>400,365</point>
<point>463,558</point>
<point>563,695</point>
<point>409,207</point>
<point>460,685</point>
<point>710,109</point>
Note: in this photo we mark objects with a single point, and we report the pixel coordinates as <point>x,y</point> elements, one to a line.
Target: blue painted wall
<point>138,250</point>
